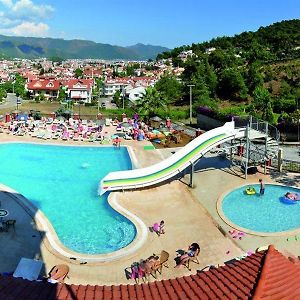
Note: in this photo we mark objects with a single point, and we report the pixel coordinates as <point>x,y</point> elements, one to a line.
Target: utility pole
<point>191,102</point>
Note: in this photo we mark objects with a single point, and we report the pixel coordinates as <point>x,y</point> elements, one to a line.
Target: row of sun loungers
<point>83,131</point>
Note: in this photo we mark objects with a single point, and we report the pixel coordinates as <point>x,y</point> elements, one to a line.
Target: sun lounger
<point>48,135</point>
<point>108,122</point>
<point>40,134</point>
<point>65,136</point>
<point>76,136</point>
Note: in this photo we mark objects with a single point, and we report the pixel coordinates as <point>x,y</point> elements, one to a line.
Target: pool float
<point>250,191</point>
<point>287,200</point>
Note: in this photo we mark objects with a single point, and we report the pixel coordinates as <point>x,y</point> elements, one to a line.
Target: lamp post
<point>123,95</point>
<point>191,96</point>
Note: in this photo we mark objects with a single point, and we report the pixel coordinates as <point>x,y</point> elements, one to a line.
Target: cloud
<point>7,3</point>
<point>27,29</point>
<point>24,17</point>
<point>26,8</point>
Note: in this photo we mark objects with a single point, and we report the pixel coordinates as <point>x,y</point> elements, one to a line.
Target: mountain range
<point>32,47</point>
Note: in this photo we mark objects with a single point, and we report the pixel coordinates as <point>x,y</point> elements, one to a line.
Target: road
<point>11,101</point>
<point>107,102</point>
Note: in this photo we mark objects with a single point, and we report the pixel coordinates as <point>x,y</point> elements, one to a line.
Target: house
<point>80,89</point>
<point>111,86</point>
<point>210,50</point>
<point>48,87</point>
<point>136,93</point>
<point>184,55</point>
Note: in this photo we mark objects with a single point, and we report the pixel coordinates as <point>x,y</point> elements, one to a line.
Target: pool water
<point>262,213</point>
<point>62,181</point>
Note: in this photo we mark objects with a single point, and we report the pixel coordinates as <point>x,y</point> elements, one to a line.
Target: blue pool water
<point>63,181</point>
<point>262,213</point>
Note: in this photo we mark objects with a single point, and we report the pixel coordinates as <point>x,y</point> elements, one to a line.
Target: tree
<point>232,85</point>
<point>117,99</point>
<point>150,103</point>
<point>61,94</point>
<point>78,73</point>
<point>254,77</point>
<point>169,88</point>
<point>262,102</point>
<point>3,94</point>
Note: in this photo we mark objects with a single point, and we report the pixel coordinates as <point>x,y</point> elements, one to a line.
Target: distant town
<point>85,80</point>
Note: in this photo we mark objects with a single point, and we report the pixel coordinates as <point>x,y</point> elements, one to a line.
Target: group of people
<point>192,251</point>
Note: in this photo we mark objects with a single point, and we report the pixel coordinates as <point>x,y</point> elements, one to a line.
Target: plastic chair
<point>162,262</point>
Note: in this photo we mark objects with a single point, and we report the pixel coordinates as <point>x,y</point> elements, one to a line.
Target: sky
<point>168,23</point>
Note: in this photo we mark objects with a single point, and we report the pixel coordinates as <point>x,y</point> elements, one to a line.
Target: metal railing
<point>258,125</point>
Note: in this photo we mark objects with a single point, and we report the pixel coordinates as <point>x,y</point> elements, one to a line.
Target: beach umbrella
<point>99,122</point>
<point>156,119</point>
<point>164,129</point>
<point>22,117</point>
<point>126,125</point>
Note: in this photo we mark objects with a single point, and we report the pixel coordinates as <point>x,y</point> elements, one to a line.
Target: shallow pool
<point>63,181</point>
<point>262,213</point>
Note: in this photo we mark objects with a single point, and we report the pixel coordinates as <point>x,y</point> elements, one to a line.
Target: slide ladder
<point>173,165</point>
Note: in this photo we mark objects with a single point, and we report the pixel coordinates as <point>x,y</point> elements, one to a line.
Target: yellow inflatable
<point>250,191</point>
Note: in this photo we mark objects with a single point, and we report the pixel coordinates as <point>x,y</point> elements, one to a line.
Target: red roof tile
<point>43,85</point>
<point>263,275</point>
<point>279,278</point>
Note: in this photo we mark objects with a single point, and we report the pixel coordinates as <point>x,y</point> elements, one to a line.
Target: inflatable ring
<point>250,191</point>
<point>287,200</point>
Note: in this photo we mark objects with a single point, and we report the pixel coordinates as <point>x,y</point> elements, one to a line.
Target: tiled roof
<point>82,84</point>
<point>43,84</point>
<point>279,278</point>
<point>263,275</point>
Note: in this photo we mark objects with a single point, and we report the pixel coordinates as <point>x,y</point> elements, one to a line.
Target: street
<point>10,101</point>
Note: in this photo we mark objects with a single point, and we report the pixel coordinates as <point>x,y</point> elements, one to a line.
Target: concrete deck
<point>189,214</point>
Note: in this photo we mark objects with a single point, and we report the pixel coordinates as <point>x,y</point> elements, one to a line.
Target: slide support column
<point>192,175</point>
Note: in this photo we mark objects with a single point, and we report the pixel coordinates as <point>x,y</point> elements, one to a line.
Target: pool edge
<point>246,230</point>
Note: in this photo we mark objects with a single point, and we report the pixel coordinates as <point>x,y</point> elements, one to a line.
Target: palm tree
<point>148,104</point>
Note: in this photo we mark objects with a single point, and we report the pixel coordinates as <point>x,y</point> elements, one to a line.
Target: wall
<point>207,123</point>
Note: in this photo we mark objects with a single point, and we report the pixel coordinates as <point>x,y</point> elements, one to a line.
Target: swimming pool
<point>263,214</point>
<point>62,181</point>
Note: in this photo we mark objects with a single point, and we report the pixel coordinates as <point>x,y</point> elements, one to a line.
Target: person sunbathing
<point>159,228</point>
<point>193,250</point>
<point>292,196</point>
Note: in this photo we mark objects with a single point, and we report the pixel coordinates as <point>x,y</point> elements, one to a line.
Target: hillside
<point>280,40</point>
<point>30,47</point>
<point>254,73</point>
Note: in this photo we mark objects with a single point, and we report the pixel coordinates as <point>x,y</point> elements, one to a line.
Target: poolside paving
<point>190,216</point>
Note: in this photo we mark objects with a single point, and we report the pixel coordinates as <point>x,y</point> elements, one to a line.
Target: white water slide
<point>168,168</point>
